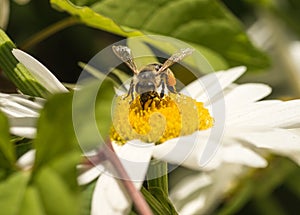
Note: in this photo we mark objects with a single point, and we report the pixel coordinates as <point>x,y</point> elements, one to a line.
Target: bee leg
<point>132,97</point>
<point>162,93</point>
<point>130,91</point>
<point>172,89</point>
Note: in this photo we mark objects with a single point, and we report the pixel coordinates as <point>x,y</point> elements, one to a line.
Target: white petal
<point>14,109</point>
<point>23,132</point>
<point>281,141</point>
<point>177,150</point>
<point>22,114</point>
<point>119,91</point>
<point>26,161</point>
<point>34,103</point>
<point>39,72</point>
<point>224,179</point>
<point>4,13</point>
<point>296,131</point>
<point>90,175</point>
<point>225,80</point>
<point>245,94</point>
<point>208,197</point>
<point>188,150</point>
<point>234,153</point>
<point>198,87</point>
<point>202,150</point>
<point>275,114</point>
<point>287,115</point>
<point>207,87</point>
<point>241,155</point>
<point>193,205</point>
<point>295,156</point>
<point>109,195</point>
<point>135,157</point>
<point>23,126</point>
<point>187,185</point>
<point>192,188</point>
<point>229,76</point>
<point>250,112</point>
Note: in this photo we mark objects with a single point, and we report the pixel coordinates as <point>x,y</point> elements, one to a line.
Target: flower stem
<point>107,153</point>
<point>50,30</point>
<point>157,175</point>
<point>156,205</point>
<point>138,200</point>
<point>157,193</point>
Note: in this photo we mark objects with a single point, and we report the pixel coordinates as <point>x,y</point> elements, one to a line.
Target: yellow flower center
<point>154,119</point>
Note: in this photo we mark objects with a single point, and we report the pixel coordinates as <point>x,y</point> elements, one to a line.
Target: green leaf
<point>103,107</point>
<point>92,19</point>
<point>48,193</point>
<point>269,205</point>
<point>12,191</point>
<point>87,195</point>
<point>57,199</point>
<point>32,202</point>
<point>84,2</point>
<point>202,23</point>
<point>92,114</point>
<point>56,144</point>
<point>7,154</point>
<point>55,134</point>
<point>53,185</point>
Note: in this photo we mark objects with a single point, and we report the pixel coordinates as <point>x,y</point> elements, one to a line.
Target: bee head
<point>146,81</point>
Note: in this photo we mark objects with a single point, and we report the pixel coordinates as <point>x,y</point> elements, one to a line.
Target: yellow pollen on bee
<point>158,119</point>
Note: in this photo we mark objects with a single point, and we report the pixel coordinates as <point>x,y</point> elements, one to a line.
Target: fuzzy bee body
<point>146,81</point>
<point>153,76</point>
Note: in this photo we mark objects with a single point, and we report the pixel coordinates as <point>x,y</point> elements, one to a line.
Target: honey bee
<point>147,80</point>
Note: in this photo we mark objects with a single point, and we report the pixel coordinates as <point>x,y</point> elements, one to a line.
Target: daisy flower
<point>228,124</point>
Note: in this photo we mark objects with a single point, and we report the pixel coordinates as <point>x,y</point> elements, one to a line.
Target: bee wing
<point>178,56</point>
<point>124,53</point>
